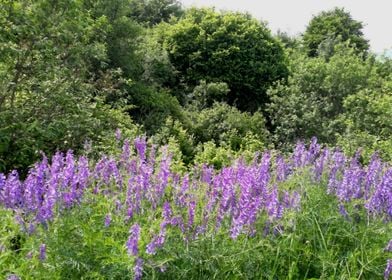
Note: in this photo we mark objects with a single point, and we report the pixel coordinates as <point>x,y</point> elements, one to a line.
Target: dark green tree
<point>331,27</point>
<point>227,47</point>
<point>152,12</point>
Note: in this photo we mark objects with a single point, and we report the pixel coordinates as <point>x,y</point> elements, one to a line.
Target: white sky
<point>292,16</point>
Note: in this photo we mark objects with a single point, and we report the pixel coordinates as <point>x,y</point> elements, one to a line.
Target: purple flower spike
<point>141,146</point>
<point>299,155</point>
<point>13,277</point>
<point>138,269</point>
<point>132,243</point>
<point>388,270</point>
<point>157,241</point>
<point>108,220</point>
<point>13,190</point>
<point>281,169</point>
<point>167,212</point>
<point>191,214</point>
<point>42,252</point>
<point>389,247</point>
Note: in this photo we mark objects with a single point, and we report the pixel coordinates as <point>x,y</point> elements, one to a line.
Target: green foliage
<point>215,135</point>
<point>332,27</point>
<point>49,99</point>
<point>152,106</point>
<point>227,126</point>
<point>368,122</point>
<point>174,133</point>
<point>157,68</point>
<point>226,47</point>
<point>384,66</point>
<point>310,101</point>
<point>122,35</point>
<point>151,12</point>
<point>204,94</point>
<point>218,157</point>
<point>288,41</point>
<point>122,47</point>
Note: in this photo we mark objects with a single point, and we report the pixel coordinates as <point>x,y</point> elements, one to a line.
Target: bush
<point>311,101</point>
<point>227,126</point>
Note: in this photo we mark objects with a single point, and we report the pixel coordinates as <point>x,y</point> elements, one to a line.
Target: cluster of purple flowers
<point>202,200</point>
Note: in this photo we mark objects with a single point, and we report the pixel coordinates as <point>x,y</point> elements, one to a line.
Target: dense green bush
<point>368,122</point>
<point>226,125</point>
<point>310,102</point>
<point>150,106</point>
<point>226,47</point>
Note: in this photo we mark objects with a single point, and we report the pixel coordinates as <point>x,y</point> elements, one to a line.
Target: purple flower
<point>108,220</point>
<point>157,241</point>
<point>389,246</point>
<point>351,185</point>
<point>273,206</point>
<point>313,152</point>
<point>83,173</point>
<point>126,152</point>
<point>291,201</point>
<point>42,252</point>
<point>138,269</point>
<point>207,173</point>
<point>191,213</point>
<point>132,243</point>
<point>13,277</point>
<point>338,164</point>
<point>13,191</point>
<point>167,212</point>
<point>388,270</point>
<point>69,169</point>
<point>372,176</point>
<point>182,195</point>
<point>381,200</point>
<point>163,176</point>
<point>319,164</point>
<point>2,185</point>
<point>141,146</point>
<point>343,211</point>
<point>299,155</point>
<point>281,169</point>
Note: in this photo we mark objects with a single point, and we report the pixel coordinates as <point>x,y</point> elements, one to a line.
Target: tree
<point>311,100</point>
<point>49,99</point>
<point>334,26</point>
<point>367,120</point>
<point>227,47</point>
<point>122,35</point>
<point>152,12</point>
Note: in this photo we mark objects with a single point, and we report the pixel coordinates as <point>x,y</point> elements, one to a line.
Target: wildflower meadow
<point>311,214</point>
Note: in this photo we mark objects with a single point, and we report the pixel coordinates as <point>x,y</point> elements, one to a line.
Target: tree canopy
<point>227,47</point>
<point>331,27</point>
